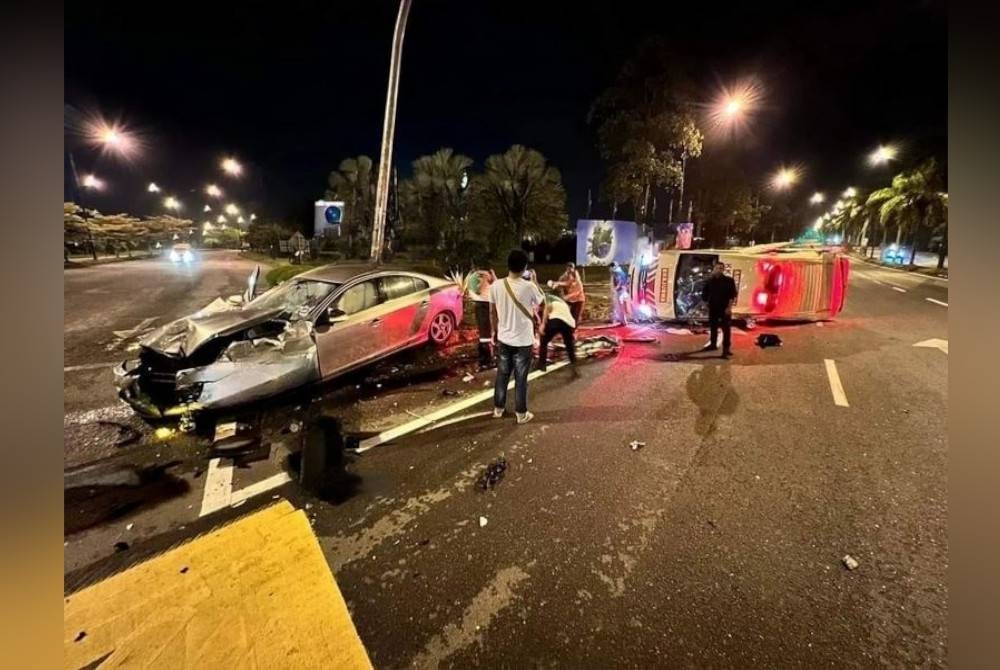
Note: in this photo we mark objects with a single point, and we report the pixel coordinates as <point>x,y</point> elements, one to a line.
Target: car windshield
<point>296,298</point>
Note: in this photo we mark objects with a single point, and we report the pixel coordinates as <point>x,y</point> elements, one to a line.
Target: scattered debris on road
<point>163,433</point>
<point>765,340</point>
<point>482,521</point>
<point>849,562</point>
<point>79,636</point>
<point>645,339</point>
<point>636,445</point>
<point>493,474</point>
<point>450,393</point>
<point>468,377</point>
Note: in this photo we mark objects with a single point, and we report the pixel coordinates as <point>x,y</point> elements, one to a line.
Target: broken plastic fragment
<point>636,445</point>
<point>468,377</point>
<point>493,474</point>
<point>849,562</point>
<point>482,521</point>
<point>224,430</point>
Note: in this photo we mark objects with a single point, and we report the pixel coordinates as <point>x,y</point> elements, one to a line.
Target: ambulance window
<point>692,271</point>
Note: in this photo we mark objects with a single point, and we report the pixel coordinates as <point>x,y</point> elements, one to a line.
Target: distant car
<point>776,282</point>
<point>181,253</point>
<point>309,329</point>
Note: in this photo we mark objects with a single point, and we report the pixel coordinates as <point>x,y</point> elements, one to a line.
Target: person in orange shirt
<point>572,291</point>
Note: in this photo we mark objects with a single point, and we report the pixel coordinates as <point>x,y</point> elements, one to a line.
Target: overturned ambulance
<point>776,282</point>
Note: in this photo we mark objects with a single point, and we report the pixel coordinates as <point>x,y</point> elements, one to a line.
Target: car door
<point>403,308</point>
<point>355,334</point>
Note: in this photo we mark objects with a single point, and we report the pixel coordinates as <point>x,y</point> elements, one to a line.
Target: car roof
<point>338,273</point>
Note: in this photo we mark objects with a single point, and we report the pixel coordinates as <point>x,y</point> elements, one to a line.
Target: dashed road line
<point>898,288</point>
<point>90,366</point>
<point>936,302</point>
<point>218,491</point>
<point>836,388</point>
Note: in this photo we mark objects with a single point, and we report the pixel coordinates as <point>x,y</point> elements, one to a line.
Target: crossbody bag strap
<point>510,292</point>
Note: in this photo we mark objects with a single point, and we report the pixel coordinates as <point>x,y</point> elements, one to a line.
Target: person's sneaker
<point>727,354</point>
<point>498,412</point>
<point>710,347</point>
<point>525,418</point>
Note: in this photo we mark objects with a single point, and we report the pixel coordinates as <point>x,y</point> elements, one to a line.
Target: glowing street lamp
<point>785,178</point>
<point>220,219</point>
<point>213,191</point>
<point>153,188</point>
<point>111,138</point>
<point>883,154</point>
<point>239,219</point>
<point>232,210</point>
<point>92,182</point>
<point>850,192</point>
<point>231,167</point>
<point>253,217</point>
<point>817,198</point>
<point>170,202</point>
<point>732,106</point>
<point>207,209</point>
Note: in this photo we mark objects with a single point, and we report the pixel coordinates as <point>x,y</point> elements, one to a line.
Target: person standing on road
<point>720,294</point>
<point>514,304</point>
<point>557,319</point>
<point>572,288</point>
<point>619,294</point>
<point>479,291</point>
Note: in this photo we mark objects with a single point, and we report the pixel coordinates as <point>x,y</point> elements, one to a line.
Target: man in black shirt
<point>720,294</point>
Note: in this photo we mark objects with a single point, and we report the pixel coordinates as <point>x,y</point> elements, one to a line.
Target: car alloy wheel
<point>441,328</point>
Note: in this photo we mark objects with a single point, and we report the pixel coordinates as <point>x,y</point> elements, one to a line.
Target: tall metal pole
<point>388,131</point>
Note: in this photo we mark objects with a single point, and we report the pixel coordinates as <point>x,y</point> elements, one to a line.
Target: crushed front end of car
<point>217,359</point>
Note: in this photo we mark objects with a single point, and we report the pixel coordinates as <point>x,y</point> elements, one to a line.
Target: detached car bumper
<point>129,390</point>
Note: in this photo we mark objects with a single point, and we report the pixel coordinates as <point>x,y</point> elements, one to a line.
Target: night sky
<point>291,88</point>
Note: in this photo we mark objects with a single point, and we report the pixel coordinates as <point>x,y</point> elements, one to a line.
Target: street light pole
<point>388,132</point>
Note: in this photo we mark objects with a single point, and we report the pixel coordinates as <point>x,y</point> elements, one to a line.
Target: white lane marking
<point>90,366</point>
<point>934,343</point>
<point>898,288</point>
<point>936,302</point>
<point>218,486</point>
<point>839,397</point>
<point>416,424</point>
<point>262,486</point>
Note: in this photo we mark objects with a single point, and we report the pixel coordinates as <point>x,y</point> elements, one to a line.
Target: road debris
<point>186,423</point>
<point>129,526</point>
<point>224,430</point>
<point>482,521</point>
<point>121,546</point>
<point>765,340</point>
<point>295,426</point>
<point>79,636</point>
<point>163,433</point>
<point>468,377</point>
<point>636,445</point>
<point>450,393</point>
<point>493,474</point>
<point>849,562</point>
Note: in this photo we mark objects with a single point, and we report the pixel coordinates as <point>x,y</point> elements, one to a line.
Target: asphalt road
<point>717,544</point>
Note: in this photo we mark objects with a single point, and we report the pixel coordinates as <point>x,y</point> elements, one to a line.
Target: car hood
<point>186,335</point>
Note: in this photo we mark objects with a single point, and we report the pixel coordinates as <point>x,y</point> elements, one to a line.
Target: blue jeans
<point>517,360</point>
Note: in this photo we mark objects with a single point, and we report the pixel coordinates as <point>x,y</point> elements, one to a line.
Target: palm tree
<point>911,202</point>
<point>353,184</point>
<point>520,194</point>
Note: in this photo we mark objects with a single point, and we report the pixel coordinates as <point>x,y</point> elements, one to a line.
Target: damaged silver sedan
<point>309,329</point>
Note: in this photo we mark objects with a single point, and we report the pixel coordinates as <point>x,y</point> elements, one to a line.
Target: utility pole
<point>388,132</point>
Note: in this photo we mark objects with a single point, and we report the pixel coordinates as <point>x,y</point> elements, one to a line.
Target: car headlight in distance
<point>188,257</point>
<point>174,256</point>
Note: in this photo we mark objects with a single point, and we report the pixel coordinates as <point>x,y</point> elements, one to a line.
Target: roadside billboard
<point>600,242</point>
<point>328,215</point>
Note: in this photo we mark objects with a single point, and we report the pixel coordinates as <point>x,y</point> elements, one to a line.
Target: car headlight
<point>188,257</point>
<point>174,256</point>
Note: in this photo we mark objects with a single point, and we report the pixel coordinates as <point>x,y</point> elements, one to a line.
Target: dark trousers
<point>715,319</point>
<point>485,334</point>
<point>514,360</point>
<point>555,327</point>
<point>576,309</point>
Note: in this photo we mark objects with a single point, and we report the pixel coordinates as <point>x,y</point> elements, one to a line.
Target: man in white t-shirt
<point>513,316</point>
